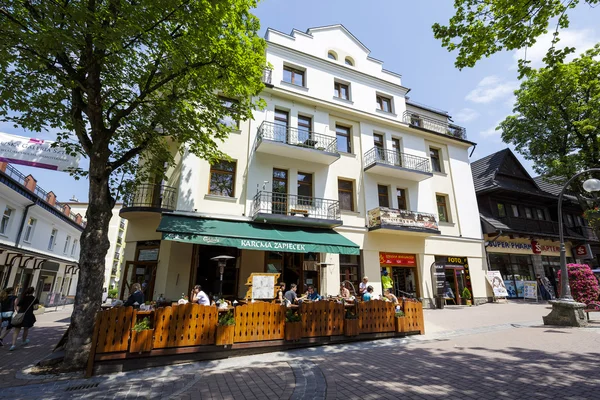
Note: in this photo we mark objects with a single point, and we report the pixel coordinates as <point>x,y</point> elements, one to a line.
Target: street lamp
<point>590,185</point>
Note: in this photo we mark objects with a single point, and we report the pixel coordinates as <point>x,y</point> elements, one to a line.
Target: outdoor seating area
<point>124,333</point>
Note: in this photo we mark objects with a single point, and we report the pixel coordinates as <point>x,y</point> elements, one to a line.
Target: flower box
<point>351,327</point>
<point>141,341</point>
<point>293,331</point>
<point>225,335</point>
<point>400,324</point>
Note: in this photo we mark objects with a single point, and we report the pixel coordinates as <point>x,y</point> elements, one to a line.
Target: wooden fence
<point>113,328</point>
<point>322,318</point>
<point>376,316</point>
<point>259,321</point>
<point>185,325</point>
<point>413,312</point>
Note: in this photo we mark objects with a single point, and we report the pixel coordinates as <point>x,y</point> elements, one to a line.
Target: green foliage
<point>466,294</point>
<point>556,121</point>
<point>226,319</point>
<point>479,29</point>
<point>292,316</point>
<point>399,314</point>
<point>592,216</point>
<point>113,293</point>
<point>142,325</point>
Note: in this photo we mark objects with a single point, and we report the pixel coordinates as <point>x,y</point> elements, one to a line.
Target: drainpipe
<point>27,207</point>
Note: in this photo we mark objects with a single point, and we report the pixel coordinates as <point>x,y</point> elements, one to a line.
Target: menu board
<point>262,286</point>
<point>438,277</point>
<point>530,290</point>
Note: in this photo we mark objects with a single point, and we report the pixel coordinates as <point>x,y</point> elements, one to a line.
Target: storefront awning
<point>254,236</point>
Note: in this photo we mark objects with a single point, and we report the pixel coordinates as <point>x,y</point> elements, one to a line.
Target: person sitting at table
<point>280,293</point>
<point>136,296</point>
<point>291,295</point>
<point>369,295</point>
<point>362,287</point>
<point>390,296</point>
<point>198,296</point>
<point>312,294</point>
<point>344,292</point>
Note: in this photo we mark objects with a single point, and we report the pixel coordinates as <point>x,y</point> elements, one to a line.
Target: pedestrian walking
<point>23,316</point>
<point>7,307</point>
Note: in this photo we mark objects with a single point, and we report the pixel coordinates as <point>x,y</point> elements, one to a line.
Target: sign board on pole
<point>583,252</point>
<point>530,290</point>
<point>35,153</point>
<point>438,278</point>
<point>494,278</point>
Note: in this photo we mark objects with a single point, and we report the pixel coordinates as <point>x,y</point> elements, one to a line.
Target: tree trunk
<point>94,246</point>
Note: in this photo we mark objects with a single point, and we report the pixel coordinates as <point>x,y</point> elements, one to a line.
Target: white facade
<point>39,238</point>
<point>325,57</point>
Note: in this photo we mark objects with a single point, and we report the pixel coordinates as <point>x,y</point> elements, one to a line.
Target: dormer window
<point>331,55</point>
<point>349,61</point>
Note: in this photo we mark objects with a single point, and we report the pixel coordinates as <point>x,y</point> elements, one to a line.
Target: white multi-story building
<point>39,238</point>
<point>340,176</point>
<point>116,237</point>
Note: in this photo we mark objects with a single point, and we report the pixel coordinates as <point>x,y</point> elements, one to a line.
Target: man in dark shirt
<point>136,297</point>
<point>291,295</point>
<point>312,294</point>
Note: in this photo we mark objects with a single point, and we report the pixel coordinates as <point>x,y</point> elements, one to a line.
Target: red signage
<point>535,247</point>
<point>583,252</point>
<point>398,259</point>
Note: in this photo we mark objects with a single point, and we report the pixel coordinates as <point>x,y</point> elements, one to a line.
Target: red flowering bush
<point>584,285</point>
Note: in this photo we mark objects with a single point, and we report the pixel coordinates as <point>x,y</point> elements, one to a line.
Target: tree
<point>556,121</point>
<point>120,79</point>
<point>481,28</point>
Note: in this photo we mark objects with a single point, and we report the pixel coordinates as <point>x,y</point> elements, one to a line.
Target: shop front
<point>457,277</point>
<point>402,268</point>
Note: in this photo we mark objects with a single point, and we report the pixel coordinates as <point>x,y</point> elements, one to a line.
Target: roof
<point>552,187</point>
<point>484,170</point>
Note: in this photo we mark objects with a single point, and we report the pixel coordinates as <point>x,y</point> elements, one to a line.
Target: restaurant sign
<point>265,245</point>
<point>389,218</point>
<point>407,260</point>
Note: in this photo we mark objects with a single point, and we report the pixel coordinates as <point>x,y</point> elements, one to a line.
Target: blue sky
<point>399,33</point>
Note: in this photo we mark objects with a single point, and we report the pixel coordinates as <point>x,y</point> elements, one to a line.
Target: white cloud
<point>465,115</point>
<point>581,39</point>
<point>491,131</point>
<point>491,88</point>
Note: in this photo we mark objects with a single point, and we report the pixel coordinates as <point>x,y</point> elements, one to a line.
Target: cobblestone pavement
<point>505,360</point>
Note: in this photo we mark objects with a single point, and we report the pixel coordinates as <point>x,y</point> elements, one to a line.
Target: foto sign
<point>35,153</point>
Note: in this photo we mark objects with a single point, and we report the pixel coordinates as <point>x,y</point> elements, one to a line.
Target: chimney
<point>3,166</point>
<point>30,182</point>
<point>67,210</point>
<point>51,198</point>
<point>78,219</point>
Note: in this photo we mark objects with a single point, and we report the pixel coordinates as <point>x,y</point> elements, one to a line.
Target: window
<point>569,220</point>
<point>501,210</point>
<point>74,248</point>
<point>397,153</point>
<point>384,103</point>
<point>5,220</point>
<point>341,90</point>
<point>540,214</point>
<point>349,270</point>
<point>228,120</point>
<point>222,178</point>
<point>515,210</point>
<point>52,241</point>
<point>396,144</point>
<point>402,201</point>
<point>528,213</point>
<point>305,188</point>
<point>293,76</point>
<point>29,229</point>
<point>349,61</point>
<point>342,134</point>
<point>579,220</point>
<point>378,142</point>
<point>415,120</point>
<point>442,207</point>
<point>280,189</point>
<point>304,128</point>
<point>346,194</point>
<point>382,193</point>
<point>67,244</point>
<point>331,55</point>
<point>280,130</point>
<point>436,163</point>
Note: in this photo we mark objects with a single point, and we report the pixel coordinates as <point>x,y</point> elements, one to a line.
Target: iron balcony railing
<point>397,159</point>
<point>267,75</point>
<point>294,205</point>
<point>547,227</point>
<point>15,174</point>
<point>431,124</point>
<point>152,196</point>
<point>295,137</point>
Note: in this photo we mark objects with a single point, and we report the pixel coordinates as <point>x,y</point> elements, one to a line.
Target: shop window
<point>222,178</point>
<point>528,213</point>
<point>515,210</point>
<point>442,205</point>
<point>382,193</point>
<point>346,194</point>
<point>349,271</point>
<point>501,210</point>
<point>293,76</point>
<point>436,160</point>
<point>515,270</point>
<point>402,200</point>
<point>344,143</point>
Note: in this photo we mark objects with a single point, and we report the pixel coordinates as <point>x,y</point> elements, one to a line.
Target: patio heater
<point>221,262</point>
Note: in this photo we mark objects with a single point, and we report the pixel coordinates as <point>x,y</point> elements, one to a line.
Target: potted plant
<point>466,295</point>
<point>351,324</point>
<point>293,326</point>
<point>225,329</point>
<point>400,322</point>
<point>142,336</point>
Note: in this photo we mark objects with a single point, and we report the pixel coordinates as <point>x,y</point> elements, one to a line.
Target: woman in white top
<point>362,287</point>
<point>198,296</point>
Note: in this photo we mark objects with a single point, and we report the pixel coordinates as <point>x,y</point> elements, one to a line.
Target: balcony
<point>587,232</point>
<point>398,221</point>
<point>149,198</point>
<point>421,121</point>
<point>397,165</point>
<point>289,209</point>
<point>535,226</point>
<point>284,141</point>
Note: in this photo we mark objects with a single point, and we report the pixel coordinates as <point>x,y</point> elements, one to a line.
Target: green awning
<point>254,236</point>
